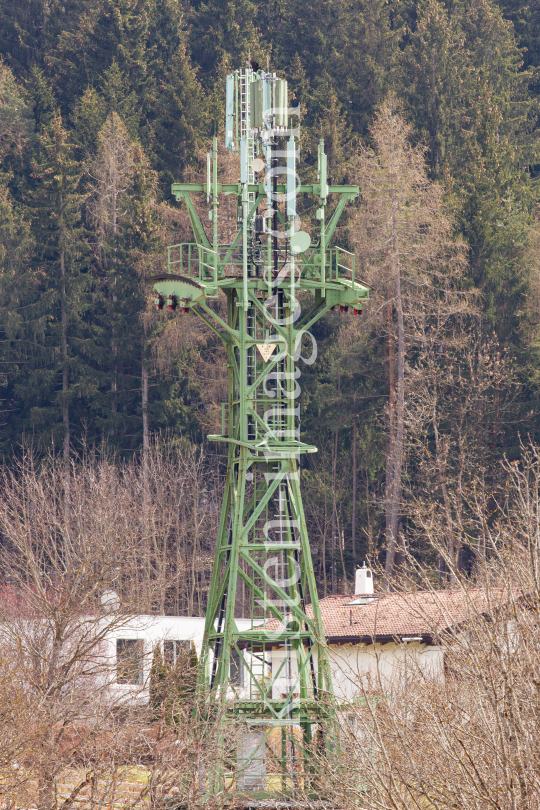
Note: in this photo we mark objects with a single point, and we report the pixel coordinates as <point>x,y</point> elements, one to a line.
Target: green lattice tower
<point>263,555</point>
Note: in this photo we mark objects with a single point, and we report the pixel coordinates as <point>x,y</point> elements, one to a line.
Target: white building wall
<point>153,630</point>
<point>357,668</point>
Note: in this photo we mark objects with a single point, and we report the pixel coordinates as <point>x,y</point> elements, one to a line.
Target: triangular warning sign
<point>266,350</point>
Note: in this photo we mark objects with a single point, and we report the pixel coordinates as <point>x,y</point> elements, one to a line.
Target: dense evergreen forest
<point>104,104</point>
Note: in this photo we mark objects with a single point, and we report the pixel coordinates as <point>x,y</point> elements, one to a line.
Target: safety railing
<point>205,265</point>
<point>338,264</point>
<point>184,260</point>
<point>341,255</point>
<point>193,261</point>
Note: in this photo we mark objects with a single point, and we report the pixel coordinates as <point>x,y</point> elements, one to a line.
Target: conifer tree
<point>123,214</point>
<point>87,119</point>
<point>15,116</point>
<point>109,31</point>
<point>464,85</point>
<point>112,174</point>
<point>525,18</point>
<point>42,97</point>
<point>178,114</point>
<point>21,321</point>
<point>186,677</point>
<point>158,684</point>
<point>367,41</point>
<point>60,252</point>
<point>25,30</point>
<point>434,69</point>
<point>223,34</point>
<point>136,55</point>
<point>172,688</point>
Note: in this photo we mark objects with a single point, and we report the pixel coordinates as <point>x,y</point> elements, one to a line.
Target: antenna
<point>271,671</point>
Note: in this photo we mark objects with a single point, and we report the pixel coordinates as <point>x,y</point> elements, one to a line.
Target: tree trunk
<point>353,527</point>
<point>65,374</point>
<point>334,505</point>
<point>333,578</point>
<point>369,527</point>
<point>145,435</point>
<point>391,440</point>
<point>65,385</point>
<point>440,455</point>
<point>114,386</point>
<point>394,499</point>
<point>146,443</point>
<point>399,560</point>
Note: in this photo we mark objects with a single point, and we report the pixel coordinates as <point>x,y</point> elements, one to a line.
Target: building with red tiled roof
<point>370,618</point>
<point>375,639</point>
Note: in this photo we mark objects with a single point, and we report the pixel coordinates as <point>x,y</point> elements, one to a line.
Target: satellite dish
<point>300,241</point>
<point>258,165</point>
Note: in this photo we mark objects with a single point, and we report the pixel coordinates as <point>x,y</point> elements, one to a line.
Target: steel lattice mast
<point>263,544</point>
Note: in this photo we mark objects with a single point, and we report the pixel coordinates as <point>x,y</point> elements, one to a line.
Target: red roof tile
<point>422,613</point>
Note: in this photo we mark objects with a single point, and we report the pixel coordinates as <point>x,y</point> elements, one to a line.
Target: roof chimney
<point>364,581</point>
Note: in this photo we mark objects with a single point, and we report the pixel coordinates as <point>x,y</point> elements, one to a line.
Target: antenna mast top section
<point>256,106</point>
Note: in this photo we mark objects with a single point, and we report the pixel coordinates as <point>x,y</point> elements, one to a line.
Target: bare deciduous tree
<point>458,408</point>
<point>403,237</point>
<point>466,732</point>
<point>60,716</point>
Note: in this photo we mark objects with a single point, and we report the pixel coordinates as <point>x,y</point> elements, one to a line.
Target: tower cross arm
<point>180,189</point>
<point>345,197</point>
<point>200,234</point>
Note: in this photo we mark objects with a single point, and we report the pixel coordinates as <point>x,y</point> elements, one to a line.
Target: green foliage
<point>158,684</point>
<point>172,688</point>
<point>104,105</point>
<point>222,34</point>
<point>64,374</point>
<point>461,74</point>
<point>187,676</point>
<point>15,117</point>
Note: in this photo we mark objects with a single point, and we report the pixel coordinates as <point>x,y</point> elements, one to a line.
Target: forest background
<point>415,405</point>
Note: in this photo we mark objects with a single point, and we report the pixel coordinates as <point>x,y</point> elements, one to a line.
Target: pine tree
<point>21,320</point>
<point>60,252</point>
<point>87,119</point>
<point>136,57</point>
<point>178,115</point>
<point>525,18</point>
<point>109,31</point>
<point>15,116</point>
<point>123,213</point>
<point>158,684</point>
<point>186,677</point>
<point>223,34</point>
<point>495,146</point>
<point>42,97</point>
<point>24,33</point>
<point>464,85</point>
<point>434,70</point>
<point>367,43</point>
<point>172,688</point>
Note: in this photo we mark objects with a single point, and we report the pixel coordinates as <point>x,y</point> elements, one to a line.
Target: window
<point>236,669</point>
<point>129,660</point>
<point>174,650</point>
